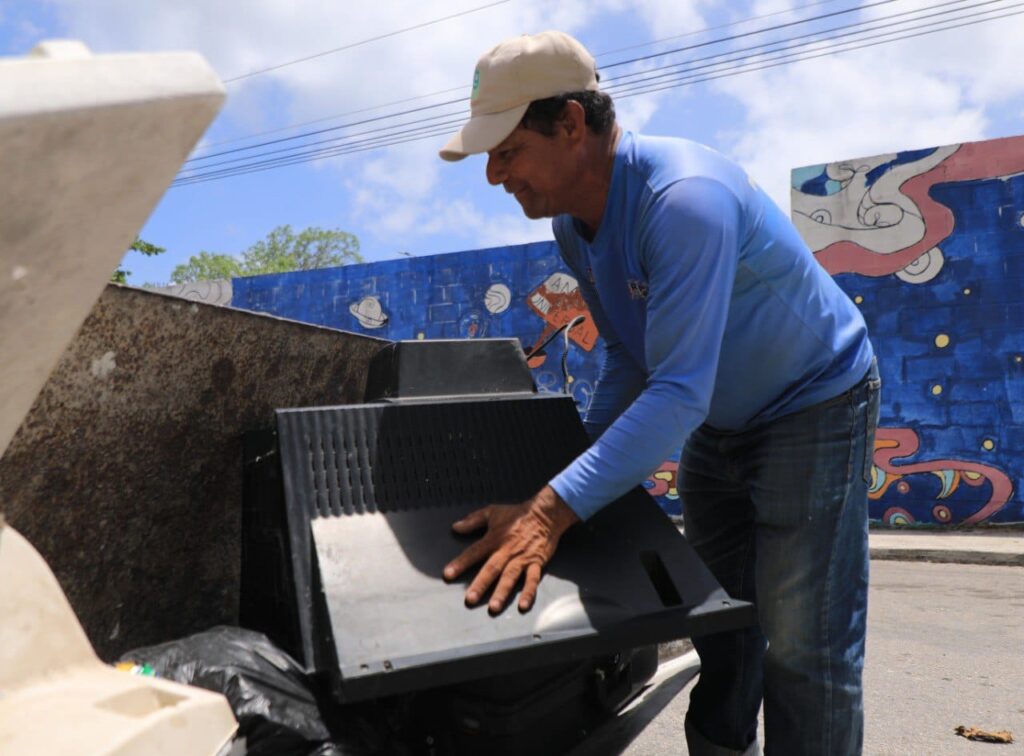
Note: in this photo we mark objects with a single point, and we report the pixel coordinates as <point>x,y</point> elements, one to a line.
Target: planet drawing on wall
<point>369,313</point>
<point>497,299</point>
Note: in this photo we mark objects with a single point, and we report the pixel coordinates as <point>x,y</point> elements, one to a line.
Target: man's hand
<point>520,539</point>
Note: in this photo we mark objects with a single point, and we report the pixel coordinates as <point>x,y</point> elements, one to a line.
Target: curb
<point>948,556</point>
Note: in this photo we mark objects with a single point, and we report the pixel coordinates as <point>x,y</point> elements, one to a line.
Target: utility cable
<point>610,82</point>
<point>646,73</point>
<point>370,109</point>
<point>643,72</point>
<point>270,165</point>
<point>734,37</point>
<point>641,88</point>
<point>461,87</point>
<point>362,42</point>
<point>719,40</point>
<point>953,25</point>
<point>436,130</point>
<point>460,115</point>
<point>616,88</point>
<point>729,25</point>
<point>637,87</point>
<point>324,131</point>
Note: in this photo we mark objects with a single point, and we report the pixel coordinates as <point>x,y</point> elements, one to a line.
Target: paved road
<point>945,647</point>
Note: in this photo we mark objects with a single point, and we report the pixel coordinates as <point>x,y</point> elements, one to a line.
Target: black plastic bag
<point>277,706</point>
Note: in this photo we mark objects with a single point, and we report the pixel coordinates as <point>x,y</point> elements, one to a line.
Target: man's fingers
<point>505,586</point>
<point>474,553</point>
<point>485,578</point>
<point>473,521</point>
<point>529,594</point>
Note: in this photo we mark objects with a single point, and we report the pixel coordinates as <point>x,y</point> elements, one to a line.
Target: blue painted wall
<point>946,318</point>
<point>930,245</point>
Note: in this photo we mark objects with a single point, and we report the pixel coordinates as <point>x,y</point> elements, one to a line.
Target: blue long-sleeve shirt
<point>712,309</point>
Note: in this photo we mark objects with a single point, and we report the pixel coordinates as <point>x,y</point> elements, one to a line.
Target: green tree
<point>139,245</point>
<point>281,251</point>
<point>207,266</point>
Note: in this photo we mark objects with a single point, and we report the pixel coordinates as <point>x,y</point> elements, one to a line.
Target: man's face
<point>536,169</point>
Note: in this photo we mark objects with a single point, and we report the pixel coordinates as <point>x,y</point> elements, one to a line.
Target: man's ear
<point>573,121</point>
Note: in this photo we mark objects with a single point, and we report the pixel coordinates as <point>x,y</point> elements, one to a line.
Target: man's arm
<point>690,247</point>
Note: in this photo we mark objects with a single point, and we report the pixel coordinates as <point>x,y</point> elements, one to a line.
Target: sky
<point>960,84</point>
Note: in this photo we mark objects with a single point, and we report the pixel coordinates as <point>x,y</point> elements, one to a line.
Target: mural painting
<point>558,302</point>
<point>930,245</point>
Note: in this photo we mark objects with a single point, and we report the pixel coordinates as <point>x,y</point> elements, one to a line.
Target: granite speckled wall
<point>127,472</point>
<point>930,244</point>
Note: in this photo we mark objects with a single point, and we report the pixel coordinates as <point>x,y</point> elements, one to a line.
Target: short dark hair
<point>598,108</point>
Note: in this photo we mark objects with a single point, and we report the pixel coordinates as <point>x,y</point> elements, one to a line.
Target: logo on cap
<point>476,84</point>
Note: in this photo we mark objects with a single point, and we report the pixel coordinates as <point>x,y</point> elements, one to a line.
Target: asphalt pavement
<point>945,648</point>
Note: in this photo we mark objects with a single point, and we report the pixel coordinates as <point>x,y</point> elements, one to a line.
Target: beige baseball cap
<point>511,76</point>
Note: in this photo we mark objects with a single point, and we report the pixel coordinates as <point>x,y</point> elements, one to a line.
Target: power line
<point>642,87</point>
<point>719,40</point>
<point>952,25</point>
<point>460,113</point>
<point>651,43</point>
<point>284,162</point>
<point>716,28</point>
<point>363,42</point>
<point>645,86</point>
<point>331,117</point>
<point>445,127</point>
<point>332,128</point>
<point>734,37</point>
<point>645,73</point>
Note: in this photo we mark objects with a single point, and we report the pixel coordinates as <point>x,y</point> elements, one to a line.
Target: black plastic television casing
<point>370,492</point>
<point>347,527</point>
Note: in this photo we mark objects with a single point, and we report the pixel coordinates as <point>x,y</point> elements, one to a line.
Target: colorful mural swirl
<point>898,443</point>
<point>876,216</point>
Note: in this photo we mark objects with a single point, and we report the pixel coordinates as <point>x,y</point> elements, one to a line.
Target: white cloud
<point>512,228</point>
<point>930,91</point>
<point>633,113</point>
<point>665,18</point>
<point>397,186</point>
<point>915,93</point>
<point>407,170</point>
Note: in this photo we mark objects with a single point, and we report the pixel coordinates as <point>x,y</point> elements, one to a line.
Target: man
<point>722,333</point>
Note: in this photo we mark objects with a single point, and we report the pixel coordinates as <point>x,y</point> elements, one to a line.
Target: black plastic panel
<point>389,458</point>
<point>447,368</point>
<point>378,486</point>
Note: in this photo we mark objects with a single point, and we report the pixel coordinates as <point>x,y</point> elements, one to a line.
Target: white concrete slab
<point>88,144</point>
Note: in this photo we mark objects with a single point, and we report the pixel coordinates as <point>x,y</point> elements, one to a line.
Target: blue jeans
<point>779,514</point>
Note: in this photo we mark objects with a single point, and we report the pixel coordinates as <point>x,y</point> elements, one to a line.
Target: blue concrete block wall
<point>950,340</point>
